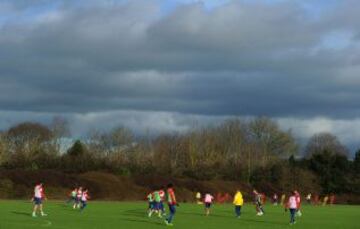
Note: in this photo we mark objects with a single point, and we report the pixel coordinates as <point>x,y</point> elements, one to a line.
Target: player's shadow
<point>203,215</point>
<point>264,222</point>
<point>135,212</point>
<point>139,216</point>
<point>21,213</point>
<point>143,221</point>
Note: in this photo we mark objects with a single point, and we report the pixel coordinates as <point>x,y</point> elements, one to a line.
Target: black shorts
<point>207,205</point>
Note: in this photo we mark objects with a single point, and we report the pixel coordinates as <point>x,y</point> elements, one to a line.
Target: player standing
<point>308,198</point>
<point>275,199</point>
<point>208,202</point>
<point>172,204</point>
<point>292,205</point>
<point>238,202</point>
<point>39,196</point>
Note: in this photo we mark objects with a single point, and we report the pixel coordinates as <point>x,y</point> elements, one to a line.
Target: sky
<point>169,65</point>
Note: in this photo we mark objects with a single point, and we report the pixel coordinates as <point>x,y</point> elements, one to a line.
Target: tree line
<point>255,152</point>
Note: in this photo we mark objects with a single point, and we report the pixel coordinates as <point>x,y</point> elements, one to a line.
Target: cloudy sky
<point>167,65</point>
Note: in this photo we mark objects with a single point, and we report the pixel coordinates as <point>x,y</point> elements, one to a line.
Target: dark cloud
<point>243,58</point>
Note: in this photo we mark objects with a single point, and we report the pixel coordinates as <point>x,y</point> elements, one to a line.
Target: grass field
<point>104,215</point>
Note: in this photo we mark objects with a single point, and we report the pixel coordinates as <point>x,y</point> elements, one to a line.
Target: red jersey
<point>298,200</point>
<point>171,196</point>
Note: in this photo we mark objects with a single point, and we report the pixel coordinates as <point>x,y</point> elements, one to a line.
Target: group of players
<point>156,203</point>
<point>79,196</point>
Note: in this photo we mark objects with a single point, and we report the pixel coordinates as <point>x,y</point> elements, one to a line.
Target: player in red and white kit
<point>38,198</point>
<point>84,198</point>
<point>79,193</point>
<point>162,196</point>
<point>298,203</point>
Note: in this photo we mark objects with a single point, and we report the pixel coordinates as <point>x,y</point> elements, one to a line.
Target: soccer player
<point>162,196</point>
<point>238,202</point>
<point>326,199</point>
<point>72,196</point>
<point>332,199</point>
<point>258,203</point>
<point>198,198</point>
<point>282,202</point>
<point>208,202</point>
<point>84,198</point>
<point>172,204</point>
<point>275,199</point>
<point>298,203</point>
<point>78,198</point>
<point>151,208</point>
<point>308,198</point>
<point>157,202</point>
<point>39,196</point>
<point>292,206</point>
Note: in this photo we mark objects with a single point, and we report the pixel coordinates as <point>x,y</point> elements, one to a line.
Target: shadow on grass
<point>140,216</point>
<point>136,212</point>
<point>203,215</point>
<point>263,222</point>
<point>21,213</point>
<point>143,221</point>
<point>233,217</point>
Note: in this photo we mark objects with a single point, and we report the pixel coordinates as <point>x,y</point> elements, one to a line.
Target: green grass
<point>104,215</point>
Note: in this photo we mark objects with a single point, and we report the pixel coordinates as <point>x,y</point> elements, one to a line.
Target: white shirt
<point>208,198</point>
<point>38,191</point>
<point>292,202</point>
<point>79,194</point>
<point>84,196</point>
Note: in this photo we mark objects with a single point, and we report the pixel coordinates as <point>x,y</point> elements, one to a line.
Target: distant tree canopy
<point>78,149</point>
<point>255,151</point>
<point>319,143</point>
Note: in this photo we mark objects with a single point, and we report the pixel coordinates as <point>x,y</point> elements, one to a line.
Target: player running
<point>38,198</point>
<point>162,196</point>
<point>208,199</point>
<point>77,203</point>
<point>172,204</point>
<point>157,202</point>
<point>84,198</point>
<point>238,202</point>
<point>72,196</point>
<point>151,207</point>
<point>258,203</point>
<point>298,203</point>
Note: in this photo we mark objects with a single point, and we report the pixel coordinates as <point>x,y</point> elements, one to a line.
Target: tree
<point>77,149</point>
<point>3,149</point>
<point>356,162</point>
<point>60,129</point>
<point>26,142</point>
<point>319,143</point>
<point>270,140</point>
<point>332,170</point>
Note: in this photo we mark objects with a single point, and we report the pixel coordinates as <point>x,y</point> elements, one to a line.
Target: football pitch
<point>109,215</point>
